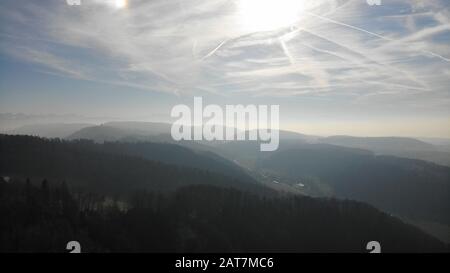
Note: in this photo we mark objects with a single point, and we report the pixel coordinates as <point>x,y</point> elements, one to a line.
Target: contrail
<point>214,50</point>
<point>373,34</point>
<point>350,26</point>
<point>354,51</point>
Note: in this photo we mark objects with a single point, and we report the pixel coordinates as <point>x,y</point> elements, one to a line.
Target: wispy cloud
<point>187,47</point>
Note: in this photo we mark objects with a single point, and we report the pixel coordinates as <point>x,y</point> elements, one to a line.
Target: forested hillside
<point>110,167</point>
<point>407,187</point>
<point>111,197</point>
<point>198,218</point>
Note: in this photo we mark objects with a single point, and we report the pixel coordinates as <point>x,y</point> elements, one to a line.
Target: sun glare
<point>120,4</point>
<point>266,15</point>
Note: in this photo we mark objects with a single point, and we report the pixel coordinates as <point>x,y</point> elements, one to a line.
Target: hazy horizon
<point>96,121</point>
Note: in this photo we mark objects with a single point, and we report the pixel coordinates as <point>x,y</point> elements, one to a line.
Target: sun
<point>120,4</point>
<point>266,15</point>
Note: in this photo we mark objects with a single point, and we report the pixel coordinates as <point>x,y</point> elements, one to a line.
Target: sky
<point>333,66</point>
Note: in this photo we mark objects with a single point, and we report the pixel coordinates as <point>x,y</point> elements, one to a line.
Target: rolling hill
<point>396,146</point>
<point>116,167</point>
<point>50,130</point>
<point>412,188</point>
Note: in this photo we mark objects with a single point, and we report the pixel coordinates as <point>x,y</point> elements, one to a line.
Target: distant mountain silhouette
<point>142,128</point>
<point>248,151</point>
<point>380,144</point>
<point>99,134</point>
<point>396,146</point>
<point>124,130</point>
<point>50,130</point>
<point>289,135</point>
<point>160,132</point>
<point>133,131</point>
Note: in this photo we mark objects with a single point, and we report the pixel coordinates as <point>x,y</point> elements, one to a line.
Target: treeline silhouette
<point>115,168</point>
<point>43,218</point>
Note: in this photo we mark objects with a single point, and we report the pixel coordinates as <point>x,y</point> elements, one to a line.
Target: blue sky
<point>334,67</point>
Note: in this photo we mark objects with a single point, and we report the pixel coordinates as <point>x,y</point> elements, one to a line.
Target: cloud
<point>341,47</point>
